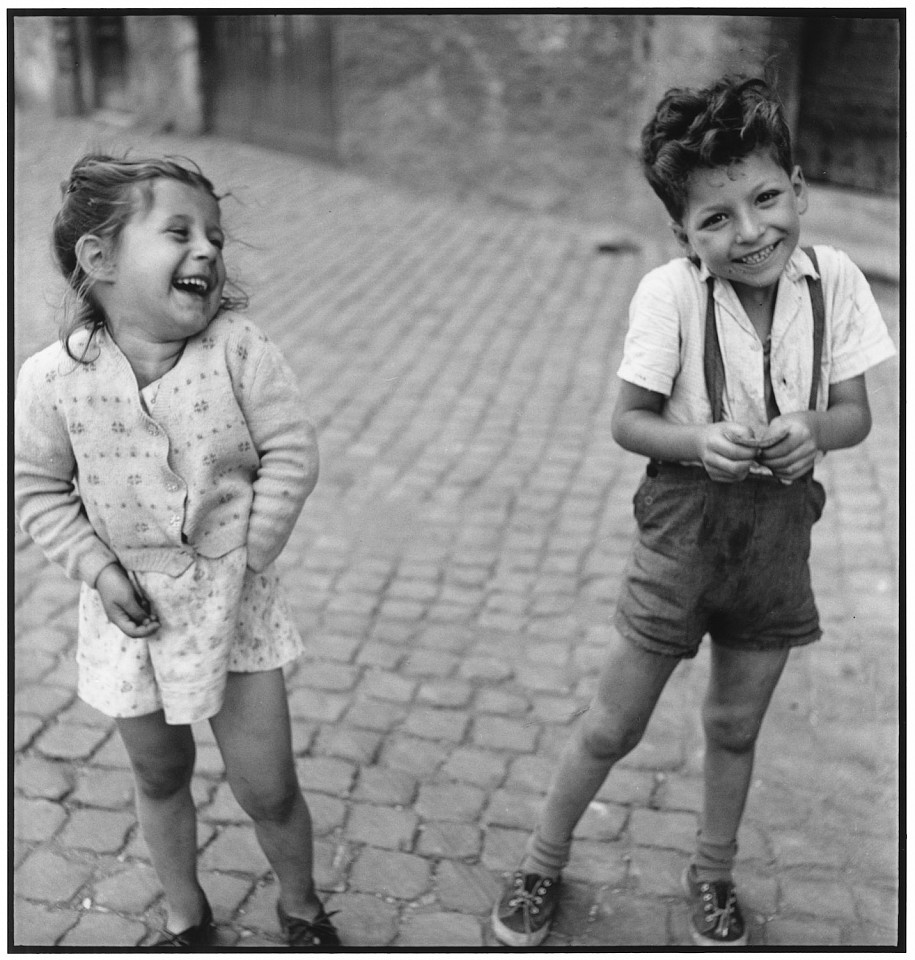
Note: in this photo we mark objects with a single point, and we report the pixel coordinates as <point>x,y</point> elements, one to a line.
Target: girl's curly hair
<point>711,127</point>
<point>100,196</point>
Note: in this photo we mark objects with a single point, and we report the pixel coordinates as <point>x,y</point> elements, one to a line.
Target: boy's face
<point>743,220</point>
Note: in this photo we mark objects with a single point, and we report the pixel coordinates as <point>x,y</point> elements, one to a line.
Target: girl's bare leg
<point>253,732</point>
<point>162,757</point>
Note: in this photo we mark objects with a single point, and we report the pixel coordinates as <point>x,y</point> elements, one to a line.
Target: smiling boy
<point>743,364</point>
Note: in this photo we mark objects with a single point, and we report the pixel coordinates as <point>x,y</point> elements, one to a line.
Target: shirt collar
<point>799,265</point>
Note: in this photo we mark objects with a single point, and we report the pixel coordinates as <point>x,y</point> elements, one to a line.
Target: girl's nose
<point>205,249</point>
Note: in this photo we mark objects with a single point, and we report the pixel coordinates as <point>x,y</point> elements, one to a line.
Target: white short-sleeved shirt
<point>664,346</point>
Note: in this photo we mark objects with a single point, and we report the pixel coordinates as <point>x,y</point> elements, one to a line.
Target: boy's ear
<point>799,185</point>
<point>680,235</point>
<point>92,254</point>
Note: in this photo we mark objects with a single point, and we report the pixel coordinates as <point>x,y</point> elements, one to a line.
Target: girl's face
<point>167,273</point>
<point>742,220</point>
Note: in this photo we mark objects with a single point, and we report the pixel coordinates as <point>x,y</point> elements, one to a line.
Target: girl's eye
<point>178,231</point>
<point>218,242</point>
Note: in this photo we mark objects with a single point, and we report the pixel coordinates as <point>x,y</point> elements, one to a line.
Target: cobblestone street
<point>455,573</point>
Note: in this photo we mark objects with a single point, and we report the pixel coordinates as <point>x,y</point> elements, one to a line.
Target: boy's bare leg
<point>162,757</point>
<point>630,683</point>
<point>740,689</point>
<point>253,733</point>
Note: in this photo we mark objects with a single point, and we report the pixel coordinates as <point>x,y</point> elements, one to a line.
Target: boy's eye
<point>713,220</point>
<point>218,241</point>
<point>767,195</point>
<point>178,231</point>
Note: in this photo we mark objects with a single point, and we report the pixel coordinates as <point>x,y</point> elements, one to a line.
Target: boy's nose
<point>749,228</point>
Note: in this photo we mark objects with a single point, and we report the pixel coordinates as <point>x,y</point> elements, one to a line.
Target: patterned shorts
<point>217,616</point>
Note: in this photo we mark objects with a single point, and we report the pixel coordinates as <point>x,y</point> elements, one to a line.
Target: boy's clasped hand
<point>786,446</point>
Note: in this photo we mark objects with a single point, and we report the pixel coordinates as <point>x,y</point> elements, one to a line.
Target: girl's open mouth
<point>195,285</point>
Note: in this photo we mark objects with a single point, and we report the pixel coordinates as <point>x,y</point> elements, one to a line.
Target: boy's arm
<point>845,423</point>
<point>638,426</point>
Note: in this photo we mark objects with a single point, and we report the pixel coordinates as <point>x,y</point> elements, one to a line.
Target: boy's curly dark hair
<point>101,194</point>
<point>710,127</point>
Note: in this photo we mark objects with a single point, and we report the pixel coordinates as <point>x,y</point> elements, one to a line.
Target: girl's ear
<point>92,254</point>
<point>799,184</point>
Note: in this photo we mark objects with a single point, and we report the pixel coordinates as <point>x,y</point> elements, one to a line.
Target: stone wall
<point>687,51</point>
<point>533,110</point>
<point>521,109</point>
<point>536,110</point>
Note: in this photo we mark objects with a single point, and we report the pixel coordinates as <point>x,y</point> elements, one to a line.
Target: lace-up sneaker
<point>299,932</point>
<point>715,919</point>
<point>523,915</point>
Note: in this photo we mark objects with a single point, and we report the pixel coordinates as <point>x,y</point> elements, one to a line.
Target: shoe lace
<point>177,940</point>
<point>529,901</point>
<point>301,931</point>
<point>719,910</point>
<point>186,938</point>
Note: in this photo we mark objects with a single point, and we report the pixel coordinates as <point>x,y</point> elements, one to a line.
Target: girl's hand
<point>727,451</point>
<point>794,454</point>
<point>127,607</point>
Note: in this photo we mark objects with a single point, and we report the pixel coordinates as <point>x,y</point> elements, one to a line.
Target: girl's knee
<point>162,758</point>
<point>161,779</point>
<point>161,755</point>
<point>267,802</point>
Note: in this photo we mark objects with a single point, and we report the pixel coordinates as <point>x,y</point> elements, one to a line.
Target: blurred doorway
<point>91,55</point>
<point>108,45</point>
<point>268,80</point>
<point>848,128</point>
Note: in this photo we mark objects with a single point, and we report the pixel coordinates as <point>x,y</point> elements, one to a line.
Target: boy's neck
<point>759,305</point>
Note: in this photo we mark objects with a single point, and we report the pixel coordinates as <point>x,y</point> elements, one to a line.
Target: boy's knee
<point>605,737</point>
<point>731,729</point>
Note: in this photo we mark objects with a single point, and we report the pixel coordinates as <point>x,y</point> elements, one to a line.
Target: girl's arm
<point>47,503</point>
<point>288,451</point>
<point>845,423</point>
<point>638,426</point>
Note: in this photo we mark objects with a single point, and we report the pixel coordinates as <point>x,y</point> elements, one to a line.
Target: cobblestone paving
<point>455,573</point>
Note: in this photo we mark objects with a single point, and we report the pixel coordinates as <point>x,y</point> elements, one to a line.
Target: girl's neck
<point>149,360</point>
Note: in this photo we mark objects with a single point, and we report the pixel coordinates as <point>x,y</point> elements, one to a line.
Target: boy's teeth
<point>758,257</point>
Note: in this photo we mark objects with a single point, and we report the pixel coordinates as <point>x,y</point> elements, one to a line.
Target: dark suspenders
<point>714,364</point>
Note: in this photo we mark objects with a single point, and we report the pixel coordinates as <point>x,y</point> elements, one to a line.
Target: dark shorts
<point>727,559</point>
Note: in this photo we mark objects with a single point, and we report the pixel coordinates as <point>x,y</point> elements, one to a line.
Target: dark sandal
<point>299,932</point>
<point>202,934</point>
